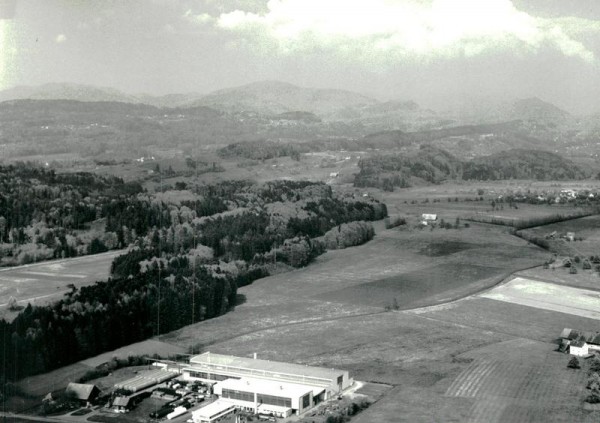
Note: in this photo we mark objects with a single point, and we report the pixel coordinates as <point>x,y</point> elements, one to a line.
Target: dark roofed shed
<point>82,391</point>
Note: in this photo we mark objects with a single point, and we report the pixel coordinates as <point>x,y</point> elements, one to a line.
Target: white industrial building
<point>213,411</point>
<point>261,396</point>
<point>264,386</point>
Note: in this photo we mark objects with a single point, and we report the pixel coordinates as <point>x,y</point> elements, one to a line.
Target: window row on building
<point>210,376</point>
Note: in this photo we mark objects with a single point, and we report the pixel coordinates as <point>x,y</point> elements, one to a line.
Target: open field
<point>413,202</point>
<point>511,381</point>
<point>40,385</point>
<point>45,282</point>
<point>509,318</point>
<point>490,188</point>
<point>58,379</point>
<point>148,347</point>
<point>412,289</point>
<point>548,296</point>
<point>587,279</point>
<point>398,262</point>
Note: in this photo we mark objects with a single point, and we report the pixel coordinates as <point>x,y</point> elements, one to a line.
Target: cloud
<point>60,38</point>
<point>389,31</point>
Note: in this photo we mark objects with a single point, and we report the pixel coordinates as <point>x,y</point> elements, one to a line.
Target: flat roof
<point>215,360</point>
<point>267,387</point>
<point>213,408</point>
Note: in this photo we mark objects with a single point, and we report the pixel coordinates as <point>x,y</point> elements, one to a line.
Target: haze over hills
<point>490,110</point>
<point>89,93</point>
<point>276,97</point>
<point>273,97</point>
<point>275,111</point>
<point>64,91</point>
<point>265,97</point>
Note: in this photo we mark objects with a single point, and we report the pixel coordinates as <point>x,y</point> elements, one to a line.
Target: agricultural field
<point>558,274</point>
<point>548,296</point>
<point>424,267</point>
<point>421,287</point>
<point>413,202</point>
<point>48,281</point>
<point>482,211</point>
<point>510,381</point>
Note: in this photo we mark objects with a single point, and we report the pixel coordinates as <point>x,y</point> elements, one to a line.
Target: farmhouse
<point>266,386</point>
<point>427,217</point>
<point>579,343</point>
<point>82,392</point>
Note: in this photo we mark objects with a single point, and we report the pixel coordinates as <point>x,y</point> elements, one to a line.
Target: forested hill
<point>523,164</point>
<point>435,165</point>
<point>31,127</point>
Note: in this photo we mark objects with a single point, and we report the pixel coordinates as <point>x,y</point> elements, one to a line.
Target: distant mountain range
<point>275,97</point>
<point>102,118</point>
<point>88,93</point>
<point>266,97</point>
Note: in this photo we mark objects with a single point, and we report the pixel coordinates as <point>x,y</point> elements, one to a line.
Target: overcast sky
<point>430,51</point>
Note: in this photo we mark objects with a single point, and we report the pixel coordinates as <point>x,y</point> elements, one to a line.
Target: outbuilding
<point>121,404</point>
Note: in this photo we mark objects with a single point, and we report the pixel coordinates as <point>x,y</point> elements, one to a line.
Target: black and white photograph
<point>303,211</point>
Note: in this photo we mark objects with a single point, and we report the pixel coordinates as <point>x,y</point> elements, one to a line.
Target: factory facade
<point>264,386</point>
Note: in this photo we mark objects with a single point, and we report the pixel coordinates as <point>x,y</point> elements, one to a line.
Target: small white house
<point>429,217</point>
<point>578,343</point>
<point>334,174</point>
<point>578,348</point>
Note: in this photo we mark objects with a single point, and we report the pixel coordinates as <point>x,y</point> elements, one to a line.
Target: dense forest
<point>44,215</point>
<point>435,165</point>
<point>187,255</point>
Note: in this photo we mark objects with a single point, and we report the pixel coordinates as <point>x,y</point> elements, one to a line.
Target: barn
<point>82,392</point>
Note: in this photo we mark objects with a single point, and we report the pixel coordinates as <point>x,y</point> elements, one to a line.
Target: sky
<point>435,52</point>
